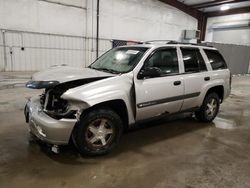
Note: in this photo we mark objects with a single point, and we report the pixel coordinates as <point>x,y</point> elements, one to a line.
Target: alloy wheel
<point>211,107</point>
<point>99,133</point>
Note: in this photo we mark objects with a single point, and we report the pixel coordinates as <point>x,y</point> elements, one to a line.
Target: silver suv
<point>93,106</point>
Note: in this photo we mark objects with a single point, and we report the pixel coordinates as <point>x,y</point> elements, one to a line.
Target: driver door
<point>161,94</point>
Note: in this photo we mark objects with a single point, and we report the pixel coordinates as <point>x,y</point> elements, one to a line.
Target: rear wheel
<point>209,108</point>
<point>97,132</point>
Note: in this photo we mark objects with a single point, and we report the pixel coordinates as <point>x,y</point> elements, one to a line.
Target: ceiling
<point>215,5</point>
<point>204,9</point>
<point>192,2</point>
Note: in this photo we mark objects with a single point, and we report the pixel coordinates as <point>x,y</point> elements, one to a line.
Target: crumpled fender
<point>114,88</point>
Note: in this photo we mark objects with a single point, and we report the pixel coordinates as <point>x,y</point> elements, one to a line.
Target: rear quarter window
<point>215,59</point>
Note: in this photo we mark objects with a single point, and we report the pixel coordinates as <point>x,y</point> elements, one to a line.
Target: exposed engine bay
<point>51,100</point>
<point>53,105</point>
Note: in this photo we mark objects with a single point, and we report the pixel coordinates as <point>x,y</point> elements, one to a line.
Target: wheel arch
<point>117,105</point>
<point>219,90</point>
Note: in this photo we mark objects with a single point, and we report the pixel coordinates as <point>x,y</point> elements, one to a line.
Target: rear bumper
<point>46,128</point>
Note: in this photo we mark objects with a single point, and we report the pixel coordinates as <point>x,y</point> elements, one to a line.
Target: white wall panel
<point>38,59</point>
<point>240,36</point>
<point>1,53</point>
<point>142,20</point>
<point>1,58</point>
<point>58,19</point>
<point>232,36</point>
<point>42,51</point>
<point>90,49</point>
<point>104,45</point>
<point>16,14</point>
<point>80,3</point>
<point>1,38</point>
<point>119,19</point>
<point>39,16</point>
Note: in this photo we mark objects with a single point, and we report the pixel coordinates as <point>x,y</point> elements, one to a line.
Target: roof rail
<point>206,44</point>
<point>153,41</point>
<point>176,42</point>
<point>186,43</point>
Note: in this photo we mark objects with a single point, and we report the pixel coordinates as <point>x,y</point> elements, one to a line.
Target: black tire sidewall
<point>201,114</point>
<point>81,126</point>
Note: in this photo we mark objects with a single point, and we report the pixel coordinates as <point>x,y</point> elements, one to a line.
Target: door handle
<point>176,83</point>
<point>207,78</point>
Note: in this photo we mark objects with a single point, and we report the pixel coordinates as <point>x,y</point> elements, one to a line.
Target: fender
<point>114,88</point>
<point>220,78</point>
<point>209,85</point>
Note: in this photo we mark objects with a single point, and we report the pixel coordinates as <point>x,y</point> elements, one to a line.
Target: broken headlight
<point>57,107</point>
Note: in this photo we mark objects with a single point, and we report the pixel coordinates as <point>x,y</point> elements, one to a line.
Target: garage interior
<point>177,151</point>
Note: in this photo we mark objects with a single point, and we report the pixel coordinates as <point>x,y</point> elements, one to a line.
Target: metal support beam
<point>216,3</point>
<point>228,12</point>
<point>185,8</point>
<point>201,18</point>
<point>202,26</point>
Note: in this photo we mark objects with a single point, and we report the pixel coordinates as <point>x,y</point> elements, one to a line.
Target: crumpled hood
<point>65,74</point>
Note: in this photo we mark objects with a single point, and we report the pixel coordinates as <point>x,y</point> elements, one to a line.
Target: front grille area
<point>42,99</point>
<point>52,103</point>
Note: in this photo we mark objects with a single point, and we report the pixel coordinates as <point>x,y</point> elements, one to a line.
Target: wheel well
<point>219,90</point>
<point>117,106</point>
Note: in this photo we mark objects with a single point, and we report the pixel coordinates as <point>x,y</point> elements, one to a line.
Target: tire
<point>206,113</point>
<point>97,132</point>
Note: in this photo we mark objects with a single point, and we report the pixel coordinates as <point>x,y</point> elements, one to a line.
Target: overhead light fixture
<point>224,7</point>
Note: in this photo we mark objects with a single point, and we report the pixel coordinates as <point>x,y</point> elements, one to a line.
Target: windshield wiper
<point>106,70</point>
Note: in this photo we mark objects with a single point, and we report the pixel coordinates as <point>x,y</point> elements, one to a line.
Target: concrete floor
<point>166,153</point>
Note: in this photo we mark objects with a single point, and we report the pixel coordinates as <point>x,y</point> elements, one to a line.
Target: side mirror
<point>149,72</point>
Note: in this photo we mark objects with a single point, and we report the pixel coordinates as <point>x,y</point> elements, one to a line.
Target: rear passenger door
<point>195,76</point>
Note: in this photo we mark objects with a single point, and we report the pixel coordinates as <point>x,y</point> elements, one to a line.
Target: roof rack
<point>177,42</point>
<point>153,41</point>
<point>186,43</point>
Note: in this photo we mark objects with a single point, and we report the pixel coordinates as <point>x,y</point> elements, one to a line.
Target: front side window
<point>215,59</point>
<point>119,60</point>
<point>166,60</point>
<point>193,60</point>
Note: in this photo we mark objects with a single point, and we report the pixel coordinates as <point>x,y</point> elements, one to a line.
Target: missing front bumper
<point>46,128</point>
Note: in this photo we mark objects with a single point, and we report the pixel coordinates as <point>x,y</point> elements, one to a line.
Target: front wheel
<point>209,108</point>
<point>97,132</point>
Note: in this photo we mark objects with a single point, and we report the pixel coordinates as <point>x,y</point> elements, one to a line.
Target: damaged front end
<point>54,106</point>
<point>50,117</point>
<point>51,101</point>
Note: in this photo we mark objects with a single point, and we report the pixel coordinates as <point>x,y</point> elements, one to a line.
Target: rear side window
<point>193,61</point>
<point>216,60</point>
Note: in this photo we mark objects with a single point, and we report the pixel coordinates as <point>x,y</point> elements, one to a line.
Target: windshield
<point>119,60</point>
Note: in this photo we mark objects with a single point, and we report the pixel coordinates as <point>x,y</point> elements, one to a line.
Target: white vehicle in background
<point>93,105</point>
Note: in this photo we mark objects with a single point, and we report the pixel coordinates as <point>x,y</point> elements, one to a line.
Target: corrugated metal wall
<point>236,56</point>
<point>1,53</point>
<point>29,51</point>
